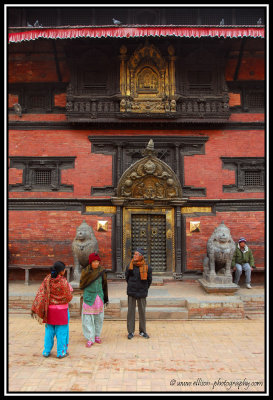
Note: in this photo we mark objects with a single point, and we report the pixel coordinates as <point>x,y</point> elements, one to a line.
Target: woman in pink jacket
<point>50,306</point>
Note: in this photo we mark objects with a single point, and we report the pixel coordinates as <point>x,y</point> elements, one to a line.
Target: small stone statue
<point>84,244</point>
<point>220,249</point>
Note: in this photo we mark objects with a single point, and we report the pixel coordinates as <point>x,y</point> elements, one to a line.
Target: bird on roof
<point>222,22</point>
<point>37,25</point>
<point>17,109</point>
<point>259,22</point>
<point>116,21</point>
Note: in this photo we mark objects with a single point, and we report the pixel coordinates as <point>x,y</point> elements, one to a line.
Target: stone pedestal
<point>75,284</point>
<point>218,283</point>
<point>75,306</point>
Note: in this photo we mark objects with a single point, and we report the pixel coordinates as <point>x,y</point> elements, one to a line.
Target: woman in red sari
<point>50,306</point>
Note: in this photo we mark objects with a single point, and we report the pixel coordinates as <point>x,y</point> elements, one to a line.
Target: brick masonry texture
<point>43,237</point>
<point>41,68</point>
<point>96,169</point>
<point>247,224</point>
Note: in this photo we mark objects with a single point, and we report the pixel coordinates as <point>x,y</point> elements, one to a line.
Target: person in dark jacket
<point>139,278</point>
<point>243,260</point>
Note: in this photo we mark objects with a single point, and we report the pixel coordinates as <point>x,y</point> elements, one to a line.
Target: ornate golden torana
<point>147,80</point>
<point>149,179</point>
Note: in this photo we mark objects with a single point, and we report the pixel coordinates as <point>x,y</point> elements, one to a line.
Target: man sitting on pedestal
<point>243,260</point>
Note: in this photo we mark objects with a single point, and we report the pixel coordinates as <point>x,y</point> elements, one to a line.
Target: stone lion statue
<point>84,244</point>
<point>220,250</point>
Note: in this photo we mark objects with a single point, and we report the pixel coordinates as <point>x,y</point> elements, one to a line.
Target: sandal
<point>89,343</point>
<point>97,339</point>
<point>63,356</point>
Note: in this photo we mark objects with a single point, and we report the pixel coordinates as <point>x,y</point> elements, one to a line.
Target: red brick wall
<point>96,169</point>
<point>43,237</point>
<point>90,169</point>
<point>36,67</point>
<point>206,170</point>
<point>252,68</point>
<point>248,224</point>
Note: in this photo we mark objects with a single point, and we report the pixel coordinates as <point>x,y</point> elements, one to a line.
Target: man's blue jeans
<point>239,268</point>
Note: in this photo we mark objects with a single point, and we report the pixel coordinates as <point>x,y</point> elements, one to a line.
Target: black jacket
<point>135,286</point>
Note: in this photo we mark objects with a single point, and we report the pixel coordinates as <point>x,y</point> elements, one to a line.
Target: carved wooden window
<point>253,99</point>
<point>41,173</point>
<point>253,178</point>
<point>249,174</point>
<point>95,81</point>
<point>37,97</point>
<point>252,95</point>
<point>42,177</point>
<point>200,81</point>
<point>201,89</point>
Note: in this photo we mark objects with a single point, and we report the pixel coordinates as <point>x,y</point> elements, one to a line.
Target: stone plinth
<point>75,284</point>
<point>218,287</point>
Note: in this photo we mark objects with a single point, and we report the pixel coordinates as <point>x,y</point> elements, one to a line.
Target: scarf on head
<point>52,291</point>
<point>89,275</point>
<point>143,268</point>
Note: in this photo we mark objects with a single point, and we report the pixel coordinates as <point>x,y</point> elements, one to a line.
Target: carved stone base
<point>178,276</point>
<point>217,278</point>
<point>120,275</point>
<point>75,285</point>
<point>219,288</point>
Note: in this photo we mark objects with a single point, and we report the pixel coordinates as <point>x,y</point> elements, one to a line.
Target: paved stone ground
<point>117,289</point>
<point>180,356</point>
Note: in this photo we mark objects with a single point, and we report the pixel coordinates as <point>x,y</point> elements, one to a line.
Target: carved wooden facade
<point>92,113</point>
<point>146,81</point>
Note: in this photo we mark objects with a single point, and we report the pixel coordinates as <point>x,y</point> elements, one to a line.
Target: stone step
<point>246,306</point>
<point>159,313</point>
<point>159,302</point>
<point>157,281</point>
<point>254,315</point>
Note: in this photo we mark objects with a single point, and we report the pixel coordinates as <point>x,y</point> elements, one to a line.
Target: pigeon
<point>37,25</point>
<point>116,21</point>
<point>17,109</point>
<point>222,22</point>
<point>29,25</point>
<point>259,22</point>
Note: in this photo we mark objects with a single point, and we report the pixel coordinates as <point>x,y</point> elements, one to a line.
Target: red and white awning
<point>135,32</point>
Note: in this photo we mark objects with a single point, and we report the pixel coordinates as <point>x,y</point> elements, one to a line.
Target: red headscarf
<point>93,257</point>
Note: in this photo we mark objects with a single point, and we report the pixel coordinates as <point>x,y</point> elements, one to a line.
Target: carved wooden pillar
<point>119,240</point>
<point>172,59</point>
<point>119,163</point>
<point>177,160</point>
<point>178,243</point>
<point>118,236</point>
<point>123,58</point>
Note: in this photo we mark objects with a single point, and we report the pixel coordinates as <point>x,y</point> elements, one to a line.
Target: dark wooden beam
<point>243,42</point>
<point>57,62</point>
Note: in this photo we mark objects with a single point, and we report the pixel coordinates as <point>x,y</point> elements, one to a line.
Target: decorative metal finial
<point>150,149</point>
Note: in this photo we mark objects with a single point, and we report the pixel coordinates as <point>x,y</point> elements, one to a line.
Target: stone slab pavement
<point>203,357</point>
<point>117,289</point>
